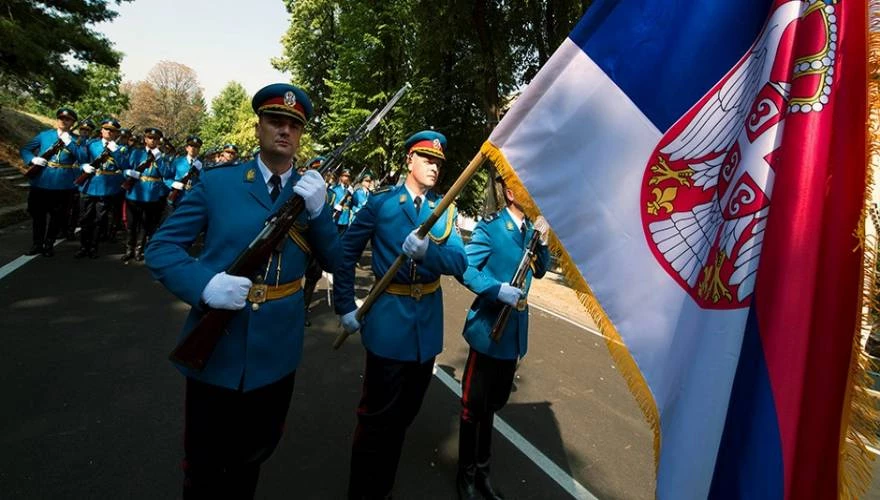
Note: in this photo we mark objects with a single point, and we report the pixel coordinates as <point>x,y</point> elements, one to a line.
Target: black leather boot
<point>36,249</point>
<point>465,480</point>
<point>484,484</point>
<point>82,252</point>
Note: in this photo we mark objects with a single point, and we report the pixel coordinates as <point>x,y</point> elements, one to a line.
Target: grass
<point>16,128</point>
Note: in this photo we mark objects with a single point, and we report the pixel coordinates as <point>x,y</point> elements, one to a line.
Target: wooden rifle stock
<point>98,163</point>
<point>176,193</point>
<point>195,350</point>
<point>32,170</point>
<point>129,182</point>
<point>518,280</point>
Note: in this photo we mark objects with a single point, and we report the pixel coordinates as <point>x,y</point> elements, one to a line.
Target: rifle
<point>346,200</point>
<point>31,170</point>
<point>98,163</point>
<point>129,182</point>
<point>193,174</point>
<point>194,350</point>
<point>518,280</point>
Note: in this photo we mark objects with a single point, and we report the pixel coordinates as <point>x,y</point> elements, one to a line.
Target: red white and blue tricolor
<point>719,152</point>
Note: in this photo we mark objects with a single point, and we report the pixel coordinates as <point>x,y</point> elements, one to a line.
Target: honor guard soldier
<point>361,195</point>
<point>494,252</point>
<point>101,189</point>
<point>403,331</point>
<point>186,169</point>
<point>337,196</point>
<point>145,201</point>
<point>50,160</point>
<point>84,131</point>
<point>228,155</point>
<point>236,407</point>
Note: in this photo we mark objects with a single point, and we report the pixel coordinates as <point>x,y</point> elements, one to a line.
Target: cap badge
<point>436,144</point>
<point>289,98</point>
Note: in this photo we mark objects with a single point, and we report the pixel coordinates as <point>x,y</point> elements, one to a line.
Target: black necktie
<point>418,203</point>
<point>275,182</point>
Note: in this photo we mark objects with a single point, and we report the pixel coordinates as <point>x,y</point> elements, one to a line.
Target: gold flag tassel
<point>860,424</point>
<point>626,365</point>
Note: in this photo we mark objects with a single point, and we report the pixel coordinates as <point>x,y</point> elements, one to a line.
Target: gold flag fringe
<point>621,355</point>
<point>859,425</point>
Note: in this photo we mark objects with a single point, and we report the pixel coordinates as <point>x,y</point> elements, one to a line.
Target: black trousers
<point>51,204</point>
<point>392,395</point>
<point>95,213</point>
<point>228,434</point>
<point>485,389</point>
<point>72,215</point>
<point>313,275</point>
<point>143,219</point>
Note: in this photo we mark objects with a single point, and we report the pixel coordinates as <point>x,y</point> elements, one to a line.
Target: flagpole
<point>426,226</point>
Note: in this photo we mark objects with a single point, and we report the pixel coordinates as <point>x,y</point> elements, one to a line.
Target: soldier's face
<point>109,134</point>
<point>344,179</point>
<point>279,135</point>
<point>151,141</point>
<point>424,169</point>
<point>65,122</point>
<point>192,151</point>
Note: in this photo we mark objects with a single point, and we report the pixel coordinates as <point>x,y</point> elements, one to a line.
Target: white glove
<point>337,207</point>
<point>112,146</point>
<point>350,189</point>
<point>349,322</point>
<point>65,138</point>
<point>226,292</point>
<point>510,295</point>
<point>157,153</point>
<point>177,185</point>
<point>88,168</point>
<point>313,191</point>
<point>543,228</point>
<point>134,174</point>
<point>39,160</point>
<point>415,247</point>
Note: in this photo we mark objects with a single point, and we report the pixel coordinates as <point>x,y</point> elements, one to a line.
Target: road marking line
<point>24,259</point>
<point>568,483</point>
<point>15,264</point>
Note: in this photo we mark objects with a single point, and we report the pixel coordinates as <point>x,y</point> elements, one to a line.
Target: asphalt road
<point>92,408</point>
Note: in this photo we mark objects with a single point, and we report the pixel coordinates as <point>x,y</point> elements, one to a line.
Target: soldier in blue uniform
<point>494,252</point>
<point>336,199</point>
<point>100,191</point>
<point>186,169</point>
<point>361,195</point>
<point>145,201</point>
<point>403,331</point>
<point>51,189</point>
<point>229,154</point>
<point>84,131</point>
<point>236,407</point>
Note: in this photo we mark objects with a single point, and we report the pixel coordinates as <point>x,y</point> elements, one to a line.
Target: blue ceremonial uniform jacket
<point>63,167</point>
<point>151,185</point>
<point>82,143</point>
<point>231,204</point>
<point>337,194</point>
<point>359,200</point>
<point>108,179</point>
<point>494,252</point>
<point>180,167</point>
<point>400,327</point>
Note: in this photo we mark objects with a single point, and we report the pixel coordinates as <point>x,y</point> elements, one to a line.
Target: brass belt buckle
<point>416,291</point>
<point>257,295</point>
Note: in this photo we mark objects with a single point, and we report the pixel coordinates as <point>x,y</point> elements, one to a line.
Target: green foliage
<point>465,59</point>
<point>231,120</point>
<point>46,43</point>
<point>103,96</point>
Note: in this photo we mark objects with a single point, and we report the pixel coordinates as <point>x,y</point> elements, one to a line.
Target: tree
<point>170,98</point>
<point>231,119</point>
<point>46,43</point>
<point>103,96</point>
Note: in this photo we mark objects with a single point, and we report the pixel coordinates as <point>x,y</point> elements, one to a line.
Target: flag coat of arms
<point>717,151</point>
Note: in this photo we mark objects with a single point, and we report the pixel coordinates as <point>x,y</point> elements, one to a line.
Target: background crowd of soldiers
<point>106,178</point>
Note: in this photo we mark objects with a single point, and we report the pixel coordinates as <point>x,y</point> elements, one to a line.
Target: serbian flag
<point>703,167</point>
